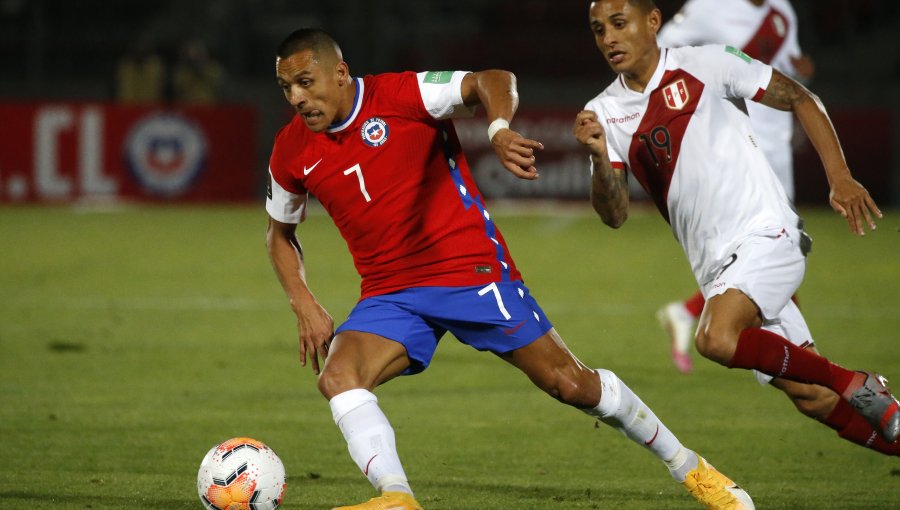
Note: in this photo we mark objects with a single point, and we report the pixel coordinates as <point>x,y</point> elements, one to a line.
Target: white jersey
<point>687,139</point>
<point>768,33</point>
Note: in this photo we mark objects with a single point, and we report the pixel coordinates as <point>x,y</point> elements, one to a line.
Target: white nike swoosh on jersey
<point>306,171</point>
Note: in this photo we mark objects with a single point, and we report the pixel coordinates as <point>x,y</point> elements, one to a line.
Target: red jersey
<point>396,183</point>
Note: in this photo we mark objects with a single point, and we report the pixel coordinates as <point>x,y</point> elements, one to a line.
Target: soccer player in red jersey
<point>381,155</point>
<point>675,118</point>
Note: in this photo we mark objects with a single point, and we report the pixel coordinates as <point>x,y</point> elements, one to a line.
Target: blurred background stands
<point>65,50</point>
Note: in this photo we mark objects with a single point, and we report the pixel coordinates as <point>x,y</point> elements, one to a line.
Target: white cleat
<point>679,324</point>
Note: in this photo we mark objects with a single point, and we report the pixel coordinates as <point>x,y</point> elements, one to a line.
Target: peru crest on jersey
<point>676,95</point>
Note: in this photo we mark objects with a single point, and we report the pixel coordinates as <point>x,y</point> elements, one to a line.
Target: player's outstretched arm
<point>496,91</point>
<point>315,326</point>
<point>609,185</point>
<point>848,197</point>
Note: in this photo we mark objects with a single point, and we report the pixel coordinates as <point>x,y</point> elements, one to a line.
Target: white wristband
<point>497,125</point>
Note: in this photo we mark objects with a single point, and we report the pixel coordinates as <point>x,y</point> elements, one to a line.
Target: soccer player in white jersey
<point>767,31</point>
<point>381,155</point>
<point>676,119</point>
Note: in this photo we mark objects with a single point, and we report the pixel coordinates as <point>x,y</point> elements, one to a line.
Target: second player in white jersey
<point>767,31</point>
<point>676,119</point>
<point>713,184</point>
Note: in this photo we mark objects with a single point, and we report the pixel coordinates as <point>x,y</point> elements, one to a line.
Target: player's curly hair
<point>314,39</point>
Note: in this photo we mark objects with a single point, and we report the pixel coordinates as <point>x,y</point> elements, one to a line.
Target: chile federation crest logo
<point>374,132</point>
<point>166,153</point>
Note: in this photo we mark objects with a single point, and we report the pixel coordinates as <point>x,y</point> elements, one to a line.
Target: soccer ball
<point>241,474</point>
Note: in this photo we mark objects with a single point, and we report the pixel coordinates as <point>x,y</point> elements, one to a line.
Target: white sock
<point>370,439</point>
<point>621,409</point>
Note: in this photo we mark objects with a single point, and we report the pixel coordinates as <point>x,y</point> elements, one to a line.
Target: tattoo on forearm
<point>609,190</point>
<point>782,93</point>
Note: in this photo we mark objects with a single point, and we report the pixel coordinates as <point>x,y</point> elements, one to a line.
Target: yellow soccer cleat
<point>714,489</point>
<point>387,501</point>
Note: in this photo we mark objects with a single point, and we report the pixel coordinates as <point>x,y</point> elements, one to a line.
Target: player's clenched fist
<point>589,131</point>
<point>517,153</point>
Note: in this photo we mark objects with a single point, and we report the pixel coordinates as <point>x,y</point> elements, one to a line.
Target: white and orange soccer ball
<point>241,474</point>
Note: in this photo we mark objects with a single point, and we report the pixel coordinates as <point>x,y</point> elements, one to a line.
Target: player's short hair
<point>644,5</point>
<point>314,39</point>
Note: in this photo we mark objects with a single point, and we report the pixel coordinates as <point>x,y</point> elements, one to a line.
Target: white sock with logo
<point>370,439</point>
<point>622,410</point>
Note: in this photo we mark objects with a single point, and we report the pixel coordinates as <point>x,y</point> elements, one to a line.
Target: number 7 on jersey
<point>362,183</point>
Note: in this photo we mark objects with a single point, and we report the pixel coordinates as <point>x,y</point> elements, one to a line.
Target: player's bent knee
<point>717,344</point>
<point>327,385</point>
<point>334,381</point>
<point>581,389</point>
<point>566,391</point>
<point>718,352</point>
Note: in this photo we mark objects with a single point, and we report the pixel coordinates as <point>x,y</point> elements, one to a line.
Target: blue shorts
<point>499,318</point>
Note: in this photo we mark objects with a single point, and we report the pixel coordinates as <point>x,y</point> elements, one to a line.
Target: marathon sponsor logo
<point>785,362</point>
<point>624,119</point>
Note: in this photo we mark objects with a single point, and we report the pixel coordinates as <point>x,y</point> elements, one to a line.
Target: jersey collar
<point>357,105</point>
<point>655,79</point>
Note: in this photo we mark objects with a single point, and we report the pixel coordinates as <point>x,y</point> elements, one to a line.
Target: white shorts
<point>768,268</point>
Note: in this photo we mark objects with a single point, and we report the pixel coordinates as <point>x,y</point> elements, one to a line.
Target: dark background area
<point>69,50</point>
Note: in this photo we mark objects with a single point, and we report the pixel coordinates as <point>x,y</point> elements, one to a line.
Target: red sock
<point>854,428</point>
<point>840,416</point>
<point>773,355</point>
<point>694,304</point>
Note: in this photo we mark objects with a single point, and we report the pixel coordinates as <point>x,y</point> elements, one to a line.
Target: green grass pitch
<point>132,340</point>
